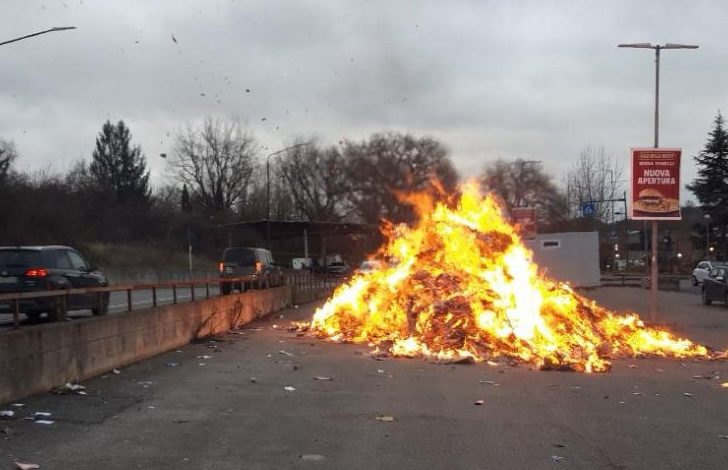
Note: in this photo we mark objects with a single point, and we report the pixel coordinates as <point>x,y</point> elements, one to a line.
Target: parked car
<point>369,265</point>
<point>255,264</point>
<point>37,268</point>
<point>702,270</point>
<point>337,268</point>
<point>715,286</point>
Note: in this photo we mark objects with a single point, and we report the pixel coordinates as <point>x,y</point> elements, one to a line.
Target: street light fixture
<point>267,183</point>
<point>56,28</point>
<point>657,48</point>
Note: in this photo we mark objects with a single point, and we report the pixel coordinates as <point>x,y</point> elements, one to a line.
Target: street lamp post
<point>267,184</point>
<point>707,234</point>
<point>657,48</point>
<point>57,28</point>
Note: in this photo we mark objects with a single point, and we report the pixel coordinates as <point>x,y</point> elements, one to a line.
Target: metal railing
<point>300,280</point>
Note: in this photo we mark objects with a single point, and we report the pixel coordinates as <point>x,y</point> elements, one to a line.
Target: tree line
<point>218,173</point>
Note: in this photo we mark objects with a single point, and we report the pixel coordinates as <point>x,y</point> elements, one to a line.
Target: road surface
<point>231,410</point>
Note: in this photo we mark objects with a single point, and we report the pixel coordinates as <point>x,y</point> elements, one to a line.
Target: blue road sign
<point>587,209</point>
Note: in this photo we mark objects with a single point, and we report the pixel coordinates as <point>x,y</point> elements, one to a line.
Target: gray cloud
<point>490,79</point>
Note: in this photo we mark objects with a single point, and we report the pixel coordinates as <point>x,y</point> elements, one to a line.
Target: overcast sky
<point>536,80</point>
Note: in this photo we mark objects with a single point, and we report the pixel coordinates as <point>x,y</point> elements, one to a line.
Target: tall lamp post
<point>267,184</point>
<point>57,28</point>
<point>707,235</point>
<point>657,48</point>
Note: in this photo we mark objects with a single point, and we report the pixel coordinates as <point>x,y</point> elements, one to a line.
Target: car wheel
<point>55,312</point>
<point>102,309</point>
<point>226,288</point>
<point>695,281</point>
<point>33,317</point>
<point>704,295</point>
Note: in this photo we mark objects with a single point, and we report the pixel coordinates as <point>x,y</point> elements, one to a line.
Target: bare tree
<point>216,162</point>
<point>388,165</point>
<point>595,176</point>
<point>7,155</point>
<point>317,181</point>
<point>521,183</point>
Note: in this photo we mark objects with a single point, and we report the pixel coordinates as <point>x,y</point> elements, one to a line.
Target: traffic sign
<point>587,209</point>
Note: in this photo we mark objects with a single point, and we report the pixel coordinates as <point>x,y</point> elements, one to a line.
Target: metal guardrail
<point>303,280</point>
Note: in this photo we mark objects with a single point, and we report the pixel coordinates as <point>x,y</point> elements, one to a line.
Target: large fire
<point>460,285</point>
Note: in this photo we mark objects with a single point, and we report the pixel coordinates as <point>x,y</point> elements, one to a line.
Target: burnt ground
<point>172,412</point>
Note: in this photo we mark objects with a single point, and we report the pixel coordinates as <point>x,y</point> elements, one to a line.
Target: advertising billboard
<point>655,184</point>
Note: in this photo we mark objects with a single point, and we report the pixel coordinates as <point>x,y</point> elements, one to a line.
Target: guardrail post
<point>174,293</point>
<point>16,313</point>
<point>207,288</point>
<point>128,300</point>
<point>154,296</point>
<point>192,291</point>
<point>64,307</point>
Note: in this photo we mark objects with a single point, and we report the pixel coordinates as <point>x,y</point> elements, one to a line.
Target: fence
<point>305,284</point>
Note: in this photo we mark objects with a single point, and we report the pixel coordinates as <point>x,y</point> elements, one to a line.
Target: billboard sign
<point>655,184</point>
<point>525,218</point>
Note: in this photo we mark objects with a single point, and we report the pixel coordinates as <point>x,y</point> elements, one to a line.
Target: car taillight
<point>221,266</point>
<point>36,272</point>
<point>258,266</point>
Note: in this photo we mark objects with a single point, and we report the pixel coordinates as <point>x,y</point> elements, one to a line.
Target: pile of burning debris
<point>464,288</point>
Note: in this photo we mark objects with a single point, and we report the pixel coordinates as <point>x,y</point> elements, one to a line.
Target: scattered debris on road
<point>116,371</point>
<point>489,382</point>
<point>285,353</point>
<point>688,395</point>
<point>313,457</point>
<point>18,405</point>
<point>69,388</point>
<point>145,383</point>
<point>723,436</point>
<point>321,377</point>
<point>253,380</point>
<point>288,388</point>
<point>204,357</point>
<point>478,402</point>
<point>172,364</point>
<point>386,419</point>
<point>26,466</point>
<point>5,414</point>
<point>556,458</point>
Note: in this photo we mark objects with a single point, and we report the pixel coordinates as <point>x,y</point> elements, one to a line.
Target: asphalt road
<point>230,410</point>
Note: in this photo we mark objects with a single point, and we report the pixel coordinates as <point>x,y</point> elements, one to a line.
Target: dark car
<point>715,287</point>
<point>337,269</point>
<point>255,264</point>
<point>38,268</point>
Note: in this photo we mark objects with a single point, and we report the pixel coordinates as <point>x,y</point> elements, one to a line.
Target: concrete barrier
<point>36,359</point>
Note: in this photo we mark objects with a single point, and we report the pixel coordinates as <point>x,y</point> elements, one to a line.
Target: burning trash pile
<point>460,285</point>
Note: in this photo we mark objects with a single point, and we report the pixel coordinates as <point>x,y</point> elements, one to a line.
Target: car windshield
<point>19,258</point>
<point>240,256</point>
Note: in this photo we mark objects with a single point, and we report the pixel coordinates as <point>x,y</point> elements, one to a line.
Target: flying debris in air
<point>174,39</point>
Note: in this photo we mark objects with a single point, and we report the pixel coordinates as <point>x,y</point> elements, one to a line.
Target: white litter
<point>26,466</point>
<point>288,388</point>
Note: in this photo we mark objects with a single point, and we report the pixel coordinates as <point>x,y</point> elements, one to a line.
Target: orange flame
<point>464,287</point>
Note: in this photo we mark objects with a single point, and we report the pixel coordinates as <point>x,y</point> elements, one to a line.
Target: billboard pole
<point>657,48</point>
<point>653,265</point>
